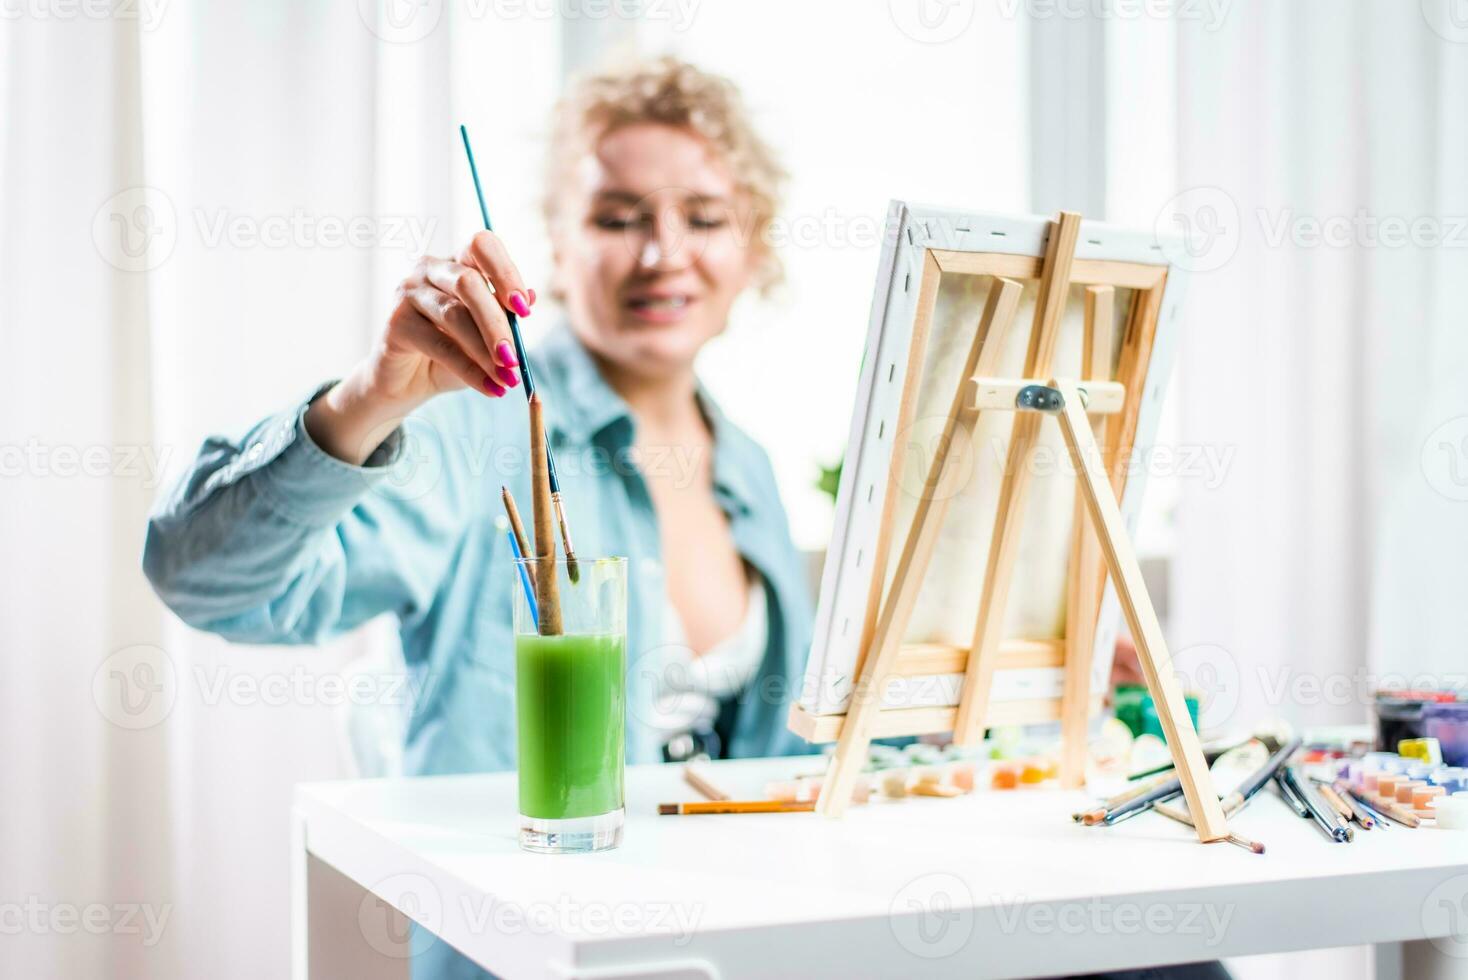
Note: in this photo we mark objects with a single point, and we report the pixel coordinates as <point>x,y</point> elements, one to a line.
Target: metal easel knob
<point>1039,398</point>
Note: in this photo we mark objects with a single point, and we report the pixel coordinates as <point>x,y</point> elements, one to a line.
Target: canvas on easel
<point>998,349</point>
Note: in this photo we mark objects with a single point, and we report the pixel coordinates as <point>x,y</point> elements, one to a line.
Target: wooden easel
<point>1031,398</point>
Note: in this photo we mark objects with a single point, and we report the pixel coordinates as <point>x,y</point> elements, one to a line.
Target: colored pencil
<point>517,528</point>
<point>699,782</point>
<point>1343,792</point>
<point>1379,820</point>
<point>524,578</point>
<point>1402,816</point>
<point>734,806</point>
<point>572,568</point>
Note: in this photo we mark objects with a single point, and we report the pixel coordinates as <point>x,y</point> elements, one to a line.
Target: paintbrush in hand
<point>573,570</point>
<point>547,588</point>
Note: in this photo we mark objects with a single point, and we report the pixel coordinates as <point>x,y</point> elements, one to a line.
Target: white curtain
<point>205,207</point>
<point>1323,145</point>
<point>74,417</point>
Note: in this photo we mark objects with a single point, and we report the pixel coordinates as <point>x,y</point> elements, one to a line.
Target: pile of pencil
<point>1156,792</point>
<point>1335,807</point>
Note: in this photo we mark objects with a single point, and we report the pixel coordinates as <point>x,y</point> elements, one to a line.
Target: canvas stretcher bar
<point>884,656</point>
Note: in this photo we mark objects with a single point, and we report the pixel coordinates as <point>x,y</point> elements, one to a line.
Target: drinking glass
<point>571,706</point>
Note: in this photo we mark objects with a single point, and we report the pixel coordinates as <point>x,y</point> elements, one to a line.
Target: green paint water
<point>571,694</point>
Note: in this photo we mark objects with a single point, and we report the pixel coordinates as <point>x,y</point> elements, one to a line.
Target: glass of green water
<point>571,709</point>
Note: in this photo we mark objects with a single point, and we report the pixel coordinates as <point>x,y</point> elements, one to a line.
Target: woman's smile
<point>661,307</point>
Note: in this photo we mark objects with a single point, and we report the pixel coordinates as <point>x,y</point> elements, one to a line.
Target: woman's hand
<point>447,331</point>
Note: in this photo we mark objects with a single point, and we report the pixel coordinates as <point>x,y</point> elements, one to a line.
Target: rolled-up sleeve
<point>270,539</point>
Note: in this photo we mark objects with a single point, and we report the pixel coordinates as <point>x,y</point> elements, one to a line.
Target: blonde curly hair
<point>675,93</point>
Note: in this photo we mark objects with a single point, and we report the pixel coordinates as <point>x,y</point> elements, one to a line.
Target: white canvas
<point>948,603</point>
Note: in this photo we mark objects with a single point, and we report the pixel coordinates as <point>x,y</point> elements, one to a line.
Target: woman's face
<point>654,247</point>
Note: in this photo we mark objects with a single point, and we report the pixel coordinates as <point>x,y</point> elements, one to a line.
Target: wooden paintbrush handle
<point>547,588</point>
<point>516,526</point>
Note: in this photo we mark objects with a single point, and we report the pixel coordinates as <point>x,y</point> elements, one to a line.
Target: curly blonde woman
<point>378,493</point>
<point>658,200</point>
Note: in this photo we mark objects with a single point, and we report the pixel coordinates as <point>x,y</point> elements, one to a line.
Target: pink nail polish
<point>493,387</point>
<point>506,354</point>
<point>508,378</point>
<point>518,304</point>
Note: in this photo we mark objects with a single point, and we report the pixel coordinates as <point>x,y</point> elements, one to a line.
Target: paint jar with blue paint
<point>1448,723</point>
<point>1452,779</point>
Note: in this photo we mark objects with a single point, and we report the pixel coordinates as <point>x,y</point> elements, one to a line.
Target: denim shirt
<point>272,540</point>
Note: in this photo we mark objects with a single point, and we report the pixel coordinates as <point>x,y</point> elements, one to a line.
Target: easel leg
<point>917,552</point>
<point>1172,709</point>
<point>1082,609</point>
<point>1083,604</point>
<point>978,682</point>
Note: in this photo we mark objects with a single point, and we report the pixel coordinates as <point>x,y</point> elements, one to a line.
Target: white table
<point>989,885</point>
